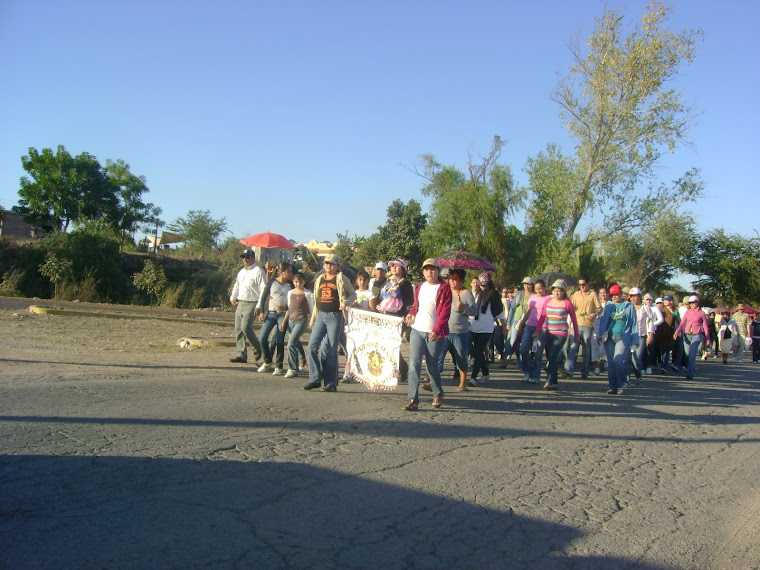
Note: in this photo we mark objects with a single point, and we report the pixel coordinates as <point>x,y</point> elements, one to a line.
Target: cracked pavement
<point>122,450</point>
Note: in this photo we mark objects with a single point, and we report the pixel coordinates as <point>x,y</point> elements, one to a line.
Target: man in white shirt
<point>249,284</point>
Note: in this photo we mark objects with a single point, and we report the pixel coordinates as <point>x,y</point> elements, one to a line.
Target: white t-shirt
<point>426,317</point>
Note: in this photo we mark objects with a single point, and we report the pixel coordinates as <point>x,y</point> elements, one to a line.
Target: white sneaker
<point>739,360</point>
<point>649,371</point>
<point>278,372</point>
<point>291,373</point>
<point>526,378</point>
<point>484,379</point>
<point>265,367</point>
<point>597,372</point>
<point>535,380</point>
<point>471,382</point>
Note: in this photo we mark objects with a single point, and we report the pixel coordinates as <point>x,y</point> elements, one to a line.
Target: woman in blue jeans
<point>695,331</point>
<point>532,370</point>
<point>618,330</point>
<point>429,321</point>
<point>300,306</point>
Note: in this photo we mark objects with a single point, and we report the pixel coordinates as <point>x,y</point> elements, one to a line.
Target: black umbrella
<point>464,260</point>
<point>551,276</point>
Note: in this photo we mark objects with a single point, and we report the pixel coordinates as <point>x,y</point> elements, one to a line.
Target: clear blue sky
<point>304,117</point>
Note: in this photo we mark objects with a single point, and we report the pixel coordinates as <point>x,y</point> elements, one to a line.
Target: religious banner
<point>373,342</point>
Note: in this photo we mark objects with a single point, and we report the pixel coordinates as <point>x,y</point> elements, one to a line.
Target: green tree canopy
<point>132,212</point>
<point>200,229</point>
<point>727,267</point>
<point>398,238</point>
<point>61,189</point>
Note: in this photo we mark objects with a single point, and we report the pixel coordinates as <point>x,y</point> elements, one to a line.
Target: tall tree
<point>618,105</point>
<point>469,211</point>
<point>200,229</point>
<point>131,212</point>
<point>398,238</point>
<point>61,189</point>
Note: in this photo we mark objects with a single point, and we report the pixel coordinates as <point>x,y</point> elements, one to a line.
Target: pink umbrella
<point>267,240</point>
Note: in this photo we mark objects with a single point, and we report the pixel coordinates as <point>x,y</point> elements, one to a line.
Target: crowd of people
<point>616,330</point>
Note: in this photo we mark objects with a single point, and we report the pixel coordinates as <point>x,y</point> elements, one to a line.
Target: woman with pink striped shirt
<point>555,313</point>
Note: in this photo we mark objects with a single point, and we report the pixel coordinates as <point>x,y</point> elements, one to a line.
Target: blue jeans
<point>555,342</point>
<point>420,346</point>
<point>272,321</point>
<point>638,356</point>
<point>587,337</point>
<point>294,343</point>
<point>327,327</point>
<point>534,369</point>
<point>459,343</point>
<point>693,342</point>
<point>617,361</point>
<point>480,362</point>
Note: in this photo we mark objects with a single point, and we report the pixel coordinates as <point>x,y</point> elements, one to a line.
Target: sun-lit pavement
<point>172,464</point>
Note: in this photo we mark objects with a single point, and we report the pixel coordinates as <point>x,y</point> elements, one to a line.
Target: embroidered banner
<point>373,343</point>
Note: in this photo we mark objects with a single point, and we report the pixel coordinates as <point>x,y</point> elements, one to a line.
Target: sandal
<point>411,406</point>
<point>437,401</point>
<point>427,386</point>
<point>462,388</point>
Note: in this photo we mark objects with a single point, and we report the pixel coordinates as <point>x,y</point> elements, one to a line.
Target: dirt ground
<point>120,449</point>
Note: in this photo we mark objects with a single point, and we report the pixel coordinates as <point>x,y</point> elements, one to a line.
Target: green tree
<point>398,238</point>
<point>132,212</point>
<point>61,189</point>
<point>200,230</point>
<point>57,269</point>
<point>152,280</point>
<point>469,211</point>
<point>727,267</point>
<point>617,103</point>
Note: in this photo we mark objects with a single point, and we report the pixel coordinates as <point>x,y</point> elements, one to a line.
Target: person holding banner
<point>429,321</point>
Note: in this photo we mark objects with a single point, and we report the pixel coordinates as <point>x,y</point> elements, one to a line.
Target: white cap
<point>381,265</point>
<point>658,300</point>
<point>634,291</point>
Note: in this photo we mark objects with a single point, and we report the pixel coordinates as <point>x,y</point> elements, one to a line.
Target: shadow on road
<point>84,512</point>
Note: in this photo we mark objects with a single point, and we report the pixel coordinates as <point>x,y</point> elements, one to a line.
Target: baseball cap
<point>648,296</point>
<point>559,284</point>
<point>658,300</point>
<point>248,254</point>
<point>693,299</point>
<point>615,290</point>
<point>331,258</point>
<point>430,262</point>
<point>527,280</point>
<point>381,265</point>
<point>399,262</point>
<point>634,291</point>
<point>669,298</point>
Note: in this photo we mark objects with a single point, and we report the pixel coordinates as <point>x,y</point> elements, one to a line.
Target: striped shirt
<point>556,320</point>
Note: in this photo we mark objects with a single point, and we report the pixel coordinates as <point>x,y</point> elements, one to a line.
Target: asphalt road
<point>181,460</point>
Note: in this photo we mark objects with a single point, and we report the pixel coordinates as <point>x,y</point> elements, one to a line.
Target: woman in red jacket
<point>429,319</point>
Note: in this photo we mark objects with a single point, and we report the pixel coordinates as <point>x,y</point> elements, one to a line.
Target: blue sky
<point>305,118</point>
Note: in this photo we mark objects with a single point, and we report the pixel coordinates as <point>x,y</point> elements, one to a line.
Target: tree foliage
<point>398,238</point>
<point>152,280</point>
<point>200,230</point>
<point>618,105</point>
<point>727,267</point>
<point>469,211</point>
<point>132,212</point>
<point>61,189</point>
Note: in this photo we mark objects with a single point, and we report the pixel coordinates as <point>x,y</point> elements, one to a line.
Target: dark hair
<point>299,274</point>
<point>537,281</point>
<point>460,272</point>
<point>284,266</point>
<point>583,278</point>
<point>362,273</point>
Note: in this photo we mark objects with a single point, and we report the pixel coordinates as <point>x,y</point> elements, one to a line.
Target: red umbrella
<point>267,240</point>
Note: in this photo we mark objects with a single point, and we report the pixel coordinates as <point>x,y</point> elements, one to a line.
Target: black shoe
<point>239,359</point>
<point>612,391</point>
<point>330,388</point>
<point>584,376</point>
<point>689,377</point>
<point>312,385</point>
